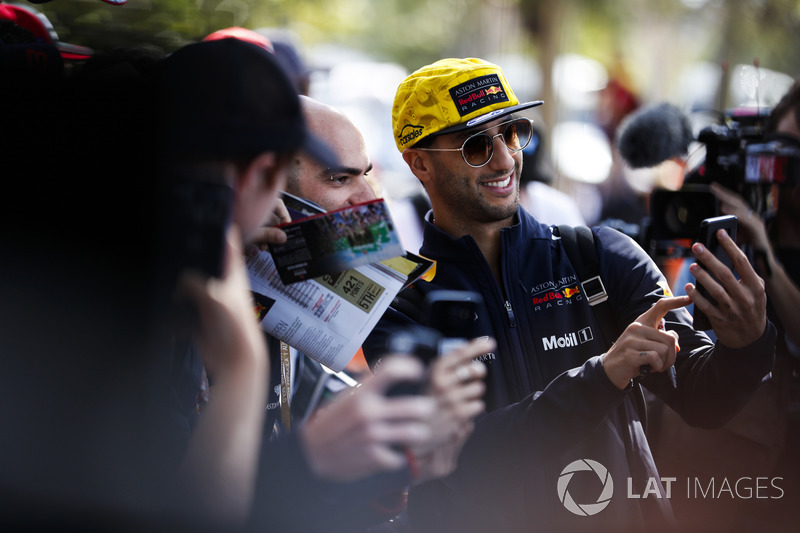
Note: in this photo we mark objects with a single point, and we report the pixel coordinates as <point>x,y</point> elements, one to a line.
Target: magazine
<point>336,241</point>
<point>327,308</point>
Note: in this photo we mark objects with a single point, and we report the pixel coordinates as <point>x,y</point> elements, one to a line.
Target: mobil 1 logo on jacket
<point>569,339</point>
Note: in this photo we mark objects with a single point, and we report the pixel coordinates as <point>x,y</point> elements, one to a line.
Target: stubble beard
<point>466,200</point>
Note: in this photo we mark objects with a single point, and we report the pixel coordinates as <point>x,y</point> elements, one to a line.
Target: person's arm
<point>783,294</point>
<point>348,466</point>
<point>221,458</point>
<point>291,497</point>
<point>714,380</point>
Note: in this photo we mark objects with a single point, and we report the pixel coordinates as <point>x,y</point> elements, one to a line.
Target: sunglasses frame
<point>491,141</point>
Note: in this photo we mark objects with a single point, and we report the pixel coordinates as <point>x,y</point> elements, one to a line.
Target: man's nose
<point>502,157</point>
<point>362,193</point>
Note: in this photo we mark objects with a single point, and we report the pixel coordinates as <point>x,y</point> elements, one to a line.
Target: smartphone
<point>195,216</point>
<point>300,206</point>
<point>707,235</point>
<point>422,343</point>
<point>454,315</point>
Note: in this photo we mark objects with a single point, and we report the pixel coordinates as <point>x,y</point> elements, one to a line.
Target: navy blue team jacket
<point>549,401</point>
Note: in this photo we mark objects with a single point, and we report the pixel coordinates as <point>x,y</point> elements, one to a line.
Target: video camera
<point>738,155</point>
<point>741,157</point>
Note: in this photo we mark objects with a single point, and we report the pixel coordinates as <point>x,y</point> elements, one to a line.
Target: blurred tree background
<point>650,39</point>
<point>694,53</point>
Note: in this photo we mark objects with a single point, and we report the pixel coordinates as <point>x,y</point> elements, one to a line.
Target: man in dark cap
<point>229,122</point>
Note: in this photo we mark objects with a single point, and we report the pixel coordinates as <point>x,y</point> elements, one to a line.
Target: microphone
<point>653,134</point>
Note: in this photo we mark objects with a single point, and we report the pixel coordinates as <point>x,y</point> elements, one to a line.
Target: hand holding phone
<point>708,237</point>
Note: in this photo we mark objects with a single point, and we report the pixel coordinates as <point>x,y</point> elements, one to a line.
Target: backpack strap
<point>578,243</point>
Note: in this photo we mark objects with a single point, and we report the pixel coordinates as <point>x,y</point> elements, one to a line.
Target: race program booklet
<point>328,317</point>
<point>335,241</point>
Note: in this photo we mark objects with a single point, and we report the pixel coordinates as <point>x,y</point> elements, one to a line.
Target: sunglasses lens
<point>518,134</point>
<point>478,150</point>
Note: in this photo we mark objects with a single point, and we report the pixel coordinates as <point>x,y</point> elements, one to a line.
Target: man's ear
<point>419,163</point>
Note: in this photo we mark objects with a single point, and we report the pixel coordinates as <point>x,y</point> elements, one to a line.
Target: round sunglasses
<point>478,148</point>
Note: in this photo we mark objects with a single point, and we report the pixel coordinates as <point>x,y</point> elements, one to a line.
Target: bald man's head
<point>332,188</point>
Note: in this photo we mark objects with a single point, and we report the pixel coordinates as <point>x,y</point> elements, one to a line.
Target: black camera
<point>739,156</point>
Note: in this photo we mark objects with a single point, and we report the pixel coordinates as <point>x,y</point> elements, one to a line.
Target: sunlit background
<point>591,61</point>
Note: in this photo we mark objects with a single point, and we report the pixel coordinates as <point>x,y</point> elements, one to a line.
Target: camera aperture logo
<point>585,509</point>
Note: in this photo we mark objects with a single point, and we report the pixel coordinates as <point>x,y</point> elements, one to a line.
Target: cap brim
<point>319,151</point>
<point>492,115</point>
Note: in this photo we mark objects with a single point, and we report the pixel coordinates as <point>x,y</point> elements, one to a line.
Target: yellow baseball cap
<point>451,95</point>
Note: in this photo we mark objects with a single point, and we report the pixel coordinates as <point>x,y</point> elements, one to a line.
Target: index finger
<point>652,317</point>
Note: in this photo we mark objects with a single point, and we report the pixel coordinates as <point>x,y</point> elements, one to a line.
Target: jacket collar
<point>437,244</point>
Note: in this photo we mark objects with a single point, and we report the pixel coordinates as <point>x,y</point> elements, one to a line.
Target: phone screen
<point>195,216</point>
<point>708,237</point>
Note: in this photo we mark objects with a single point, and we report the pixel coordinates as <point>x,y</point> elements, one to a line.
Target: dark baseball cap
<point>231,99</point>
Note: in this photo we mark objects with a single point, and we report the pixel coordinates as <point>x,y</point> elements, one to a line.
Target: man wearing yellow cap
<point>564,433</point>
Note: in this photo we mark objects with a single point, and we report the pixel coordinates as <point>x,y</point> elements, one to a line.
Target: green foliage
<point>414,32</point>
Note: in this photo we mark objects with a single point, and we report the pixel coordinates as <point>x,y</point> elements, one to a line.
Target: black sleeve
<point>290,498</point>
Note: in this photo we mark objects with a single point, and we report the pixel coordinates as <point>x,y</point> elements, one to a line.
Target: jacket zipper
<point>511,319</point>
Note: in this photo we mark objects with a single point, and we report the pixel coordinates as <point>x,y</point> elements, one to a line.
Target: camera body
<point>743,158</point>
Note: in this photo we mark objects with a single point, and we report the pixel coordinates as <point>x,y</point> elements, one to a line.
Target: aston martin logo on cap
<point>478,93</point>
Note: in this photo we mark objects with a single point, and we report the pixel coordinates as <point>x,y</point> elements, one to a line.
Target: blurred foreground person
<point>229,122</point>
<point>80,307</point>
